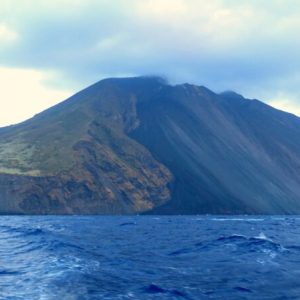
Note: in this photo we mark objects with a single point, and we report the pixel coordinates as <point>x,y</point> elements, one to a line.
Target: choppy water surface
<point>149,257</point>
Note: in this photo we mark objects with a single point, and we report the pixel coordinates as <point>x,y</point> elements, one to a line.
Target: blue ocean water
<point>149,257</point>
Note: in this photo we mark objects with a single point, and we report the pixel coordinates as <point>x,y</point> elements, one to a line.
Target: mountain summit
<point>140,145</point>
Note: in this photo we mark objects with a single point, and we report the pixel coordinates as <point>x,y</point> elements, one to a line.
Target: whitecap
<point>226,219</point>
<point>262,236</point>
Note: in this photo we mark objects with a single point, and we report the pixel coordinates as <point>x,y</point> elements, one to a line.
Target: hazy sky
<point>50,49</point>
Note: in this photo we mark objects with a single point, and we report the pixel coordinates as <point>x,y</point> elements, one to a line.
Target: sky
<point>50,49</point>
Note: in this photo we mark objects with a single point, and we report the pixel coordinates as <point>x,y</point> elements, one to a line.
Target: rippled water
<point>149,257</point>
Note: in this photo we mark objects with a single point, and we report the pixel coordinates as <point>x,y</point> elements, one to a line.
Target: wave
<point>156,289</point>
<point>22,231</point>
<point>237,219</point>
<point>239,243</point>
<point>128,224</point>
<point>256,243</point>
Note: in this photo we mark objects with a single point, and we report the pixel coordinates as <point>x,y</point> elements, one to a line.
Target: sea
<point>149,257</point>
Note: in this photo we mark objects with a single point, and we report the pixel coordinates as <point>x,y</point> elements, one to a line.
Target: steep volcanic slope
<point>227,154</point>
<point>140,145</point>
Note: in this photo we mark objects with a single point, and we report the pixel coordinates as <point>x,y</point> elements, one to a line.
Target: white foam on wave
<point>262,236</point>
<point>237,219</point>
<point>226,219</point>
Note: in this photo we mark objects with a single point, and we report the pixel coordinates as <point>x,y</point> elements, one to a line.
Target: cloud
<point>248,46</point>
<point>23,93</point>
<point>286,105</point>
<point>6,34</point>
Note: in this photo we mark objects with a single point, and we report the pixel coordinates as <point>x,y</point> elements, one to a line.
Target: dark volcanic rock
<point>140,145</point>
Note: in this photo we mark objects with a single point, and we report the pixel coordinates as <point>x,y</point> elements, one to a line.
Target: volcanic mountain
<point>141,145</point>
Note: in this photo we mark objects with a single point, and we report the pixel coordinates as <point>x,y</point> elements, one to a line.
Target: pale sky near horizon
<point>50,49</point>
